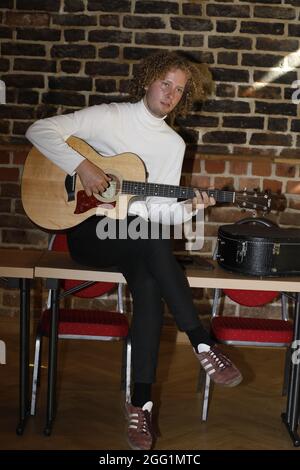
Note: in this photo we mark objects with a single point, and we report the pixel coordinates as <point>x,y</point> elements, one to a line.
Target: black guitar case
<point>259,247</point>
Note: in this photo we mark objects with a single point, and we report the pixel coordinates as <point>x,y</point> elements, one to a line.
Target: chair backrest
<point>250,298</point>
<point>59,242</point>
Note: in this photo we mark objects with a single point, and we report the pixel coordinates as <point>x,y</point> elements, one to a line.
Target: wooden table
<point>17,269</point>
<point>54,266</point>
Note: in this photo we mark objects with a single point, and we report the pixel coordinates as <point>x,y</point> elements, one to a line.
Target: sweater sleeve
<point>49,135</point>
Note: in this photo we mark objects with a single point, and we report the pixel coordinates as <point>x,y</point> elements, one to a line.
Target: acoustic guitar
<point>56,201</point>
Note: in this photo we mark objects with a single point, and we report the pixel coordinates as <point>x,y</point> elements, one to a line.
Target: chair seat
<point>258,330</point>
<point>87,323</point>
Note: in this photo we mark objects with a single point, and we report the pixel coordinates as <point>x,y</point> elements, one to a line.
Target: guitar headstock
<point>260,201</point>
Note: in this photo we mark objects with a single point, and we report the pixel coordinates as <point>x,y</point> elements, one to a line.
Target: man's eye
<point>165,84</point>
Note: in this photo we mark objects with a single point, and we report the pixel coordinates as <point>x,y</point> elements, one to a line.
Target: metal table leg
<point>291,416</point>
<point>24,405</point>
<point>53,284</point>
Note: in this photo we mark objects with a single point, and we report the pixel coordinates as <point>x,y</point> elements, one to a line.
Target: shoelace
<point>221,361</point>
<point>142,420</point>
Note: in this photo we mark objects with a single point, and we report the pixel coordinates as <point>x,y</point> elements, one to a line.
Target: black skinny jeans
<point>152,274</point>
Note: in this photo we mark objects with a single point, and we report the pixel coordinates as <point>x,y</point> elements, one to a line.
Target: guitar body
<point>46,199</point>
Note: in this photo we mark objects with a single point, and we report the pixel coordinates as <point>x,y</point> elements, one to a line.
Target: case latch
<point>241,252</point>
<point>276,248</point>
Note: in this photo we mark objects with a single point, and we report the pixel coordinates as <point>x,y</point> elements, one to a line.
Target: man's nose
<point>171,92</point>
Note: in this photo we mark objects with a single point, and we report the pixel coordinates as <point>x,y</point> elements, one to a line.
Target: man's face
<point>164,94</point>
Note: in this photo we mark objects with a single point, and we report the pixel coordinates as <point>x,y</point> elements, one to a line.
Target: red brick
<point>261,168</point>
<point>293,187</point>
<point>238,167</point>
<point>215,166</point>
<point>5,205</point>
<point>27,19</point>
<point>250,151</point>
<point>19,158</point>
<point>294,204</point>
<point>249,183</point>
<point>16,221</point>
<point>25,237</point>
<point>10,190</point>
<point>4,157</point>
<point>9,174</point>
<point>19,207</point>
<point>198,181</point>
<point>273,185</point>
<point>221,183</point>
<point>285,170</point>
<point>225,214</point>
<point>211,230</point>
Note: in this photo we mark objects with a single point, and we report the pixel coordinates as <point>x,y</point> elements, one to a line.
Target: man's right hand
<point>93,179</point>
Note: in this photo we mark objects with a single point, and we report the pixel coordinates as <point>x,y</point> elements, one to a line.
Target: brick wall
<point>61,55</point>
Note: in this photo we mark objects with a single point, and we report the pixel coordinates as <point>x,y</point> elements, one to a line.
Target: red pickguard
<point>84,203</point>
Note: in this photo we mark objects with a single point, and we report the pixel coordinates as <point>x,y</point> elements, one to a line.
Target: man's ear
<point>146,88</point>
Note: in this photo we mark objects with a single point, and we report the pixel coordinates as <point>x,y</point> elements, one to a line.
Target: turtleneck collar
<point>146,116</point>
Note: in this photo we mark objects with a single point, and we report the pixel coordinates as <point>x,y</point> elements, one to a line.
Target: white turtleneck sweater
<point>116,128</point>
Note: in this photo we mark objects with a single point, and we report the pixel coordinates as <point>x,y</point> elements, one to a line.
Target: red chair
<point>84,324</point>
<point>249,331</point>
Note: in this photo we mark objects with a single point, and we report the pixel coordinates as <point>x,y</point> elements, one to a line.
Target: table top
<point>18,263</point>
<point>58,265</point>
<point>219,277</point>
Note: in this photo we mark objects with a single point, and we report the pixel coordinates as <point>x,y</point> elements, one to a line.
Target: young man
<point>164,83</point>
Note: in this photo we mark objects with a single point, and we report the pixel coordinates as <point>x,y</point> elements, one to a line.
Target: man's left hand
<point>202,200</point>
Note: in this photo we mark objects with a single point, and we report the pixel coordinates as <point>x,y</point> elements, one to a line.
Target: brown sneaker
<point>219,368</point>
<point>139,433</point>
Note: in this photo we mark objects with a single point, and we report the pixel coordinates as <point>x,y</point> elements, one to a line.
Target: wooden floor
<point>90,405</point>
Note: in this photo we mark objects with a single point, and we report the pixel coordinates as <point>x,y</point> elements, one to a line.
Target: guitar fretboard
<point>166,190</point>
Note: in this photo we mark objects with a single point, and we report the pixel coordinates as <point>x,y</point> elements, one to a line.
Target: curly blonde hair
<point>155,67</point>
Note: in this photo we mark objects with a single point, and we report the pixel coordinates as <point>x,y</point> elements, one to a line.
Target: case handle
<point>257,220</point>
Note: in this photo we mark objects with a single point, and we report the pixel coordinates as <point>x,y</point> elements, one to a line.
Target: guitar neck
<point>138,188</point>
